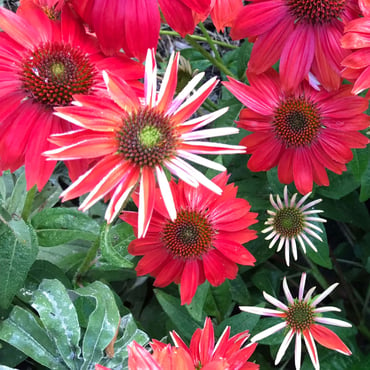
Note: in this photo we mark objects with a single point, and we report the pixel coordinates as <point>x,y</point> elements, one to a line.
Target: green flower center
<point>147,137</point>
<point>297,122</point>
<point>300,316</point>
<point>316,11</point>
<point>289,222</point>
<point>54,72</point>
<point>188,236</point>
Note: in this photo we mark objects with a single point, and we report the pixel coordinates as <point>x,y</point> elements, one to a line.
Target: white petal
<point>312,226</point>
<point>205,119</point>
<point>268,332</point>
<point>335,322</point>
<point>167,76</point>
<point>294,249</point>
<point>211,132</point>
<point>284,346</point>
<point>324,294</point>
<point>287,292</point>
<point>166,192</point>
<point>275,301</point>
<point>281,243</point>
<point>268,229</point>
<point>260,311</point>
<point>308,295</point>
<point>312,352</point>
<point>201,160</point>
<point>327,309</point>
<point>176,169</point>
<point>301,242</point>
<point>150,78</point>
<point>279,202</point>
<point>184,93</point>
<point>311,204</point>
<point>287,255</point>
<point>301,286</point>
<point>223,148</point>
<point>196,95</point>
<point>312,233</point>
<point>273,241</point>
<point>292,201</point>
<point>310,244</point>
<point>272,201</point>
<point>302,200</point>
<point>286,198</point>
<point>298,351</point>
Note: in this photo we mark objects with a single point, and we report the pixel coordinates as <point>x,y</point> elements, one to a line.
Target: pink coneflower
<point>302,133</point>
<point>136,139</point>
<point>203,242</point>
<point>302,318</point>
<point>303,34</point>
<point>42,64</point>
<point>291,221</point>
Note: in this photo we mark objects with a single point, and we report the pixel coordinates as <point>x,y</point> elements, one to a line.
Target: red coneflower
<point>302,132</point>
<point>136,139</point>
<point>42,64</point>
<point>203,242</point>
<point>303,34</point>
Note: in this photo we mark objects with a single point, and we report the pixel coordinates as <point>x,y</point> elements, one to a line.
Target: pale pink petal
<point>275,301</point>
<point>284,346</point>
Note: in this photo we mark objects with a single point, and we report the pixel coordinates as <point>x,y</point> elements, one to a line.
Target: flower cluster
<point>80,83</point>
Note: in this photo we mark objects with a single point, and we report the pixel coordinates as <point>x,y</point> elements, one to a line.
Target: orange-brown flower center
<point>53,72</point>
<point>147,137</point>
<point>297,122</point>
<point>316,11</point>
<point>300,316</point>
<point>188,236</point>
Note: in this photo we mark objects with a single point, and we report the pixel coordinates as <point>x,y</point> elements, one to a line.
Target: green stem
<point>210,41</point>
<point>200,38</point>
<point>316,273</point>
<point>208,56</point>
<point>28,203</point>
<point>86,264</point>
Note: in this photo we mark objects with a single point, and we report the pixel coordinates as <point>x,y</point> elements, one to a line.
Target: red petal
<point>235,252</point>
<point>189,281</point>
<point>328,339</point>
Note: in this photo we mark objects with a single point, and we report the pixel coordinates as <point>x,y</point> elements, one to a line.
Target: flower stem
<point>200,38</point>
<point>316,273</point>
<point>28,203</point>
<point>208,56</point>
<point>210,41</point>
<point>86,263</point>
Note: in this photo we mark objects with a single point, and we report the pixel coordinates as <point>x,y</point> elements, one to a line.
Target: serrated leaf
<point>56,226</point>
<point>22,331</point>
<point>59,317</point>
<point>102,324</point>
<point>179,315</point>
<point>18,251</point>
<point>114,242</point>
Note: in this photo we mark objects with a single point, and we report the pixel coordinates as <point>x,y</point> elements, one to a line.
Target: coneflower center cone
<point>189,235</point>
<point>316,11</point>
<point>54,72</point>
<point>147,137</point>
<point>289,222</point>
<point>297,122</point>
<point>300,316</point>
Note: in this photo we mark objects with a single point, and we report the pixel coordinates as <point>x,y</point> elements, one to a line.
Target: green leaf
<point>348,210</point>
<point>321,257</point>
<point>47,198</point>
<point>179,315</point>
<point>102,324</point>
<point>59,317</point>
<point>18,197</point>
<point>114,242</point>
<point>128,331</point>
<point>240,322</point>
<point>57,226</point>
<point>360,162</point>
<point>365,185</point>
<point>267,280</point>
<point>22,331</point>
<point>195,308</point>
<point>340,185</point>
<point>18,251</point>
<point>9,355</point>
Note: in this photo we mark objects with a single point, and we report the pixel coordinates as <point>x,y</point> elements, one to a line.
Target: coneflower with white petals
<point>302,318</point>
<point>291,221</point>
